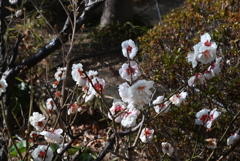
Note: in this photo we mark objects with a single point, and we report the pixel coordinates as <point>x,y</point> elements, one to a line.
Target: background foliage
<point>163,59</point>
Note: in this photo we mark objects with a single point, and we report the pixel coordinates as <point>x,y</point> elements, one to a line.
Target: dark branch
<point>111,140</point>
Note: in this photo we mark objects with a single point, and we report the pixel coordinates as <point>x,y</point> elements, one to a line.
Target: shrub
<point>167,46</point>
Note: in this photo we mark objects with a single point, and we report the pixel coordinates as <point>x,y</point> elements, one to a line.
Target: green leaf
<point>20,145</point>
<point>54,147</point>
<point>86,155</point>
<point>73,150</point>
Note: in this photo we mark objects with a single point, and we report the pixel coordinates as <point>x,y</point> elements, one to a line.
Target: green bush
<point>166,46</point>
<point>164,49</point>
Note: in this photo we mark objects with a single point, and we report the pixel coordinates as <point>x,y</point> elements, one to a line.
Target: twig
<point>225,132</point>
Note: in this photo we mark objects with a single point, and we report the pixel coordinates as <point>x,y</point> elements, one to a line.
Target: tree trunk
<point>116,11</point>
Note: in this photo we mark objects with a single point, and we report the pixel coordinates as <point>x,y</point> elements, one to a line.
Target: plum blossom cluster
<point>90,83</point>
<point>204,52</point>
<point>38,121</point>
<point>59,75</point>
<point>42,153</point>
<point>74,108</point>
<point>136,94</point>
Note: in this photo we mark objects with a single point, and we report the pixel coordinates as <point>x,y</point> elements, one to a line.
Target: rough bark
<point>116,11</point>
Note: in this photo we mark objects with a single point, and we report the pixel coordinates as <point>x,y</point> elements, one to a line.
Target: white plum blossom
<point>206,41</point>
<point>96,89</point>
<point>129,72</point>
<point>146,135</point>
<point>177,99</point>
<point>41,152</point>
<point>140,93</point>
<point>123,92</point>
<point>207,50</point>
<point>192,56</point>
<point>98,84</point>
<point>130,117</point>
<point>38,121</point>
<point>233,138</point>
<point>213,69</point>
<point>53,136</point>
<point>78,74</point>
<point>50,104</point>
<point>211,143</point>
<point>204,51</point>
<point>18,13</point>
<point>60,74</point>
<point>167,148</point>
<point>3,86</point>
<point>74,108</point>
<point>161,106</point>
<point>91,74</point>
<point>206,117</point>
<point>129,49</point>
<point>206,55</point>
<point>13,1</point>
<point>33,134</point>
<point>198,78</point>
<point>117,108</point>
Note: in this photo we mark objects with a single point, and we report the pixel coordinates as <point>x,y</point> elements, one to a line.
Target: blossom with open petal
<point>206,117</point>
<point>123,92</point>
<point>13,1</point>
<point>167,148</point>
<point>60,74</point>
<point>177,99</point>
<point>192,56</point>
<point>129,49</point>
<point>50,104</point>
<point>204,51</point>
<point>74,108</point>
<point>41,152</point>
<point>3,86</point>
<point>198,78</point>
<point>213,69</point>
<point>78,74</point>
<point>117,107</point>
<point>211,143</point>
<point>98,85</point>
<point>33,134</point>
<point>140,92</point>
<point>233,138</point>
<point>161,106</point>
<point>53,136</point>
<point>146,135</point>
<point>130,117</point>
<point>38,121</point>
<point>91,74</point>
<point>206,55</point>
<point>129,72</point>
<point>206,41</point>
<point>94,89</point>
<point>207,50</point>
